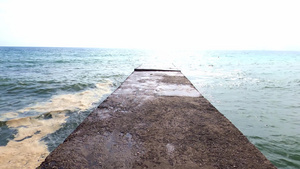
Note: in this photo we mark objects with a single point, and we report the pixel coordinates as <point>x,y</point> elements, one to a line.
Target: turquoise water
<point>46,92</point>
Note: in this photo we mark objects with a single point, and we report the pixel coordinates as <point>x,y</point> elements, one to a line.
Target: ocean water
<point>46,92</point>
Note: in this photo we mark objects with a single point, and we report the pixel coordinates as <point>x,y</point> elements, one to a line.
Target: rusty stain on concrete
<point>156,119</point>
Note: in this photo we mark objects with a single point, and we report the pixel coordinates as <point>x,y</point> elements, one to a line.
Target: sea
<point>46,92</point>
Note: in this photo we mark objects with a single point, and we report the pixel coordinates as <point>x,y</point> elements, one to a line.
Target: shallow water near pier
<point>46,92</point>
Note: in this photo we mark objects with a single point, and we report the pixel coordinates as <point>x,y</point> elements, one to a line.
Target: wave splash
<point>27,150</point>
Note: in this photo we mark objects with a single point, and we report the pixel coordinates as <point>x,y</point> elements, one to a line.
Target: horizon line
<point>131,48</point>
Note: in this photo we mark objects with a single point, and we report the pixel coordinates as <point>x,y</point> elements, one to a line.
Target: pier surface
<point>156,119</point>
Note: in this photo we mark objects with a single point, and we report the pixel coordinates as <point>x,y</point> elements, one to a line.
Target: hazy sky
<point>209,24</point>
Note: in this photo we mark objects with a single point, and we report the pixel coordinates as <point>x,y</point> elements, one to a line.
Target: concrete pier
<point>156,119</point>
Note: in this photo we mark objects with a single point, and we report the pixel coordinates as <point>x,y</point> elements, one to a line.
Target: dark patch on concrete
<point>179,80</point>
<point>151,131</point>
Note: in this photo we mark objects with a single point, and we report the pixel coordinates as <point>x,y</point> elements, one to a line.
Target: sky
<point>172,24</point>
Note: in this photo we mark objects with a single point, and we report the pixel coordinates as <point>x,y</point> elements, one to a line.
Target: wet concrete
<point>156,119</point>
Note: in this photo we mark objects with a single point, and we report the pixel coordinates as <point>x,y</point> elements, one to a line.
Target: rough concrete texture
<point>156,119</point>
